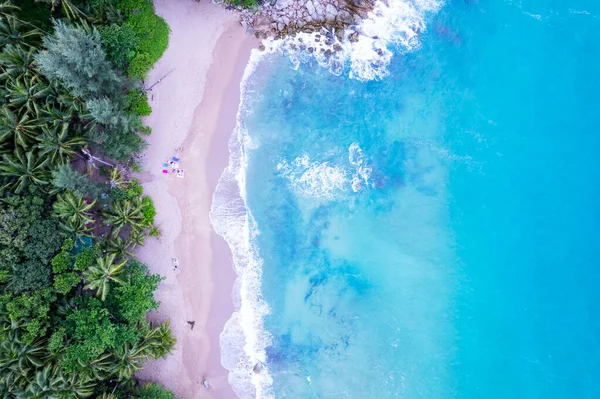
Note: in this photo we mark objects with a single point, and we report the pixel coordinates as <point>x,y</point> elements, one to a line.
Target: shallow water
<point>430,234</point>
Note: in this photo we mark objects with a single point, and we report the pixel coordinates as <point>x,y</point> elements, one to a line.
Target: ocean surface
<point>419,217</point>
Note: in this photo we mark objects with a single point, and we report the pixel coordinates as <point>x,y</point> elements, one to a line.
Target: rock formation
<point>285,17</point>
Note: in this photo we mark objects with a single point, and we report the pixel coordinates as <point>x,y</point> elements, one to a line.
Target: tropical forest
<point>73,298</point>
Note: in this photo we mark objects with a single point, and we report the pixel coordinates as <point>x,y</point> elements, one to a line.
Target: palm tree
<point>17,61</point>
<point>117,246</point>
<point>8,11</point>
<point>58,145</point>
<point>69,103</point>
<point>70,206</point>
<point>44,384</point>
<point>100,276</point>
<point>68,7</point>
<point>50,382</point>
<point>12,32</point>
<point>23,169</point>
<point>136,237</point>
<point>128,360</point>
<point>22,128</point>
<point>116,178</point>
<point>64,306</point>
<point>159,341</point>
<point>100,368</point>
<point>28,94</point>
<point>124,213</point>
<point>18,361</point>
<point>77,228</point>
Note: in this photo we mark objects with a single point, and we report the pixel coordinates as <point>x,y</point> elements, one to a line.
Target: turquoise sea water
<point>434,233</point>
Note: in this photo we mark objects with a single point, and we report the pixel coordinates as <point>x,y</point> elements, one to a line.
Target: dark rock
<point>257,368</point>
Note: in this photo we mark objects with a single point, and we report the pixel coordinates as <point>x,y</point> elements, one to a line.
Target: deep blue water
<point>464,263</point>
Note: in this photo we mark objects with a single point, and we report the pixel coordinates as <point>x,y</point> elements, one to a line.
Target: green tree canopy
<point>74,56</point>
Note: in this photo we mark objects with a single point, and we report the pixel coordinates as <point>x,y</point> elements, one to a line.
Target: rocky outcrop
<point>285,17</point>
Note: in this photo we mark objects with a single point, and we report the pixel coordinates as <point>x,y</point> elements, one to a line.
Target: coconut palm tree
<point>9,11</point>
<point>117,246</point>
<point>159,341</point>
<point>68,7</point>
<point>23,169</point>
<point>70,206</point>
<point>28,94</point>
<point>100,276</point>
<point>18,361</point>
<point>100,368</point>
<point>44,384</point>
<point>70,104</point>
<point>64,306</point>
<point>77,228</point>
<point>17,61</point>
<point>116,178</point>
<point>123,213</point>
<point>136,237</point>
<point>12,32</point>
<point>79,385</point>
<point>58,145</point>
<point>21,128</point>
<point>51,382</point>
<point>128,360</point>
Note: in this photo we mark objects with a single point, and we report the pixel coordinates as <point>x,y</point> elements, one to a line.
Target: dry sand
<point>194,110</point>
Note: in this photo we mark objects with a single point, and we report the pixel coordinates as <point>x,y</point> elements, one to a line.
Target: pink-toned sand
<point>194,110</point>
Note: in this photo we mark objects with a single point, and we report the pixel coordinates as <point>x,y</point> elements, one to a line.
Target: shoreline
<point>194,115</point>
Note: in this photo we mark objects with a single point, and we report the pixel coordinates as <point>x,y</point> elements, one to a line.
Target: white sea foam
<point>312,179</point>
<point>363,169</point>
<point>243,340</point>
<point>392,26</point>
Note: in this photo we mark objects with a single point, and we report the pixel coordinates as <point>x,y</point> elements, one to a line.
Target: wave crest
<point>313,179</point>
<point>366,49</point>
<point>243,339</point>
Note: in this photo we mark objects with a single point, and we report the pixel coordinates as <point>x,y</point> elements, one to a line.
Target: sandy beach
<point>194,110</point>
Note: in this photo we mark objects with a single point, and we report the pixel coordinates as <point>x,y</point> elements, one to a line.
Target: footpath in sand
<point>194,113</point>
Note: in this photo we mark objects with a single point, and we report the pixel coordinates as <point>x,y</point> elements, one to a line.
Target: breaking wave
<point>313,179</point>
<point>243,339</point>
<point>366,50</point>
<point>391,27</point>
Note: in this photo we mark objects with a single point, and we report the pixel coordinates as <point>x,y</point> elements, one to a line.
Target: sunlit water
<point>430,234</point>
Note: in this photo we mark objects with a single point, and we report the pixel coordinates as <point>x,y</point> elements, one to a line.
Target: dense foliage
<point>243,3</point>
<point>73,299</point>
